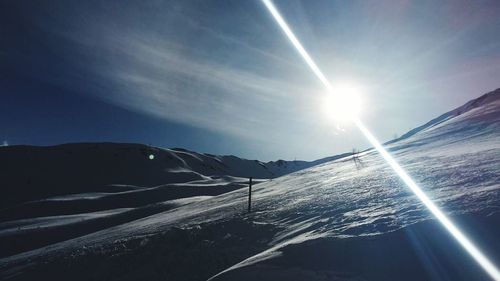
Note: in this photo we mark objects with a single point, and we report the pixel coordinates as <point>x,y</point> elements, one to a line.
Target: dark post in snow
<point>250,195</point>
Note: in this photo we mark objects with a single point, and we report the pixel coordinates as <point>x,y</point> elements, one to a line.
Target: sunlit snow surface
<point>457,163</point>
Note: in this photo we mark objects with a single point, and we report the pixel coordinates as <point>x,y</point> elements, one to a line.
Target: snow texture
<point>340,220</point>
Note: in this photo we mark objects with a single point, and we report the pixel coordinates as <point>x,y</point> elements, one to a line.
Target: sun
<point>343,103</point>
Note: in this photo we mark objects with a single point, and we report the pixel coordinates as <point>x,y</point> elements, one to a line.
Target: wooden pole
<point>250,195</point>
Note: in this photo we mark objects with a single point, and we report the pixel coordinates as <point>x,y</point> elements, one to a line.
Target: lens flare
<point>447,223</point>
<point>475,253</point>
<point>296,43</point>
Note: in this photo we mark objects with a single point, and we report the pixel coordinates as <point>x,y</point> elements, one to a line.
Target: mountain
<point>342,220</point>
<point>32,172</point>
<point>487,102</point>
<point>65,191</point>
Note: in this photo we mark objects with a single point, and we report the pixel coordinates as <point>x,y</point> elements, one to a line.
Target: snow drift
<point>341,220</point>
<point>32,173</point>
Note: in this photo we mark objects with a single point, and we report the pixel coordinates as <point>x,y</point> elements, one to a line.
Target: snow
<point>130,198</point>
<point>11,227</point>
<point>69,197</point>
<point>30,173</point>
<point>339,220</point>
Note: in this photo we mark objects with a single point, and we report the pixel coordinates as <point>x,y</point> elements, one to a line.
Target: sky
<point>221,77</point>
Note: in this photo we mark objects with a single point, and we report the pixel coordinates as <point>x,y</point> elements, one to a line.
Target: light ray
<point>447,223</point>
<point>296,43</point>
<point>476,254</point>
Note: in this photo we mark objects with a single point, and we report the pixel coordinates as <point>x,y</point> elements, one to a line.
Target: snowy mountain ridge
<point>33,173</point>
<point>488,100</point>
<point>347,219</point>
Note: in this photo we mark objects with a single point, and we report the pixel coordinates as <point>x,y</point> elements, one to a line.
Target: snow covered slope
<point>488,100</point>
<point>79,188</point>
<point>30,173</point>
<point>341,220</point>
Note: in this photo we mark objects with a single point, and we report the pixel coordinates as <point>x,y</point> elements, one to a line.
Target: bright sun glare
<point>343,103</point>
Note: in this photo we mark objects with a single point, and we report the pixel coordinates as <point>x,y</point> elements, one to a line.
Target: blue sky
<point>220,77</point>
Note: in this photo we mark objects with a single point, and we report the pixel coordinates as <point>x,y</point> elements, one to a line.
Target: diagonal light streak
<point>476,254</point>
<point>481,259</point>
<point>296,43</point>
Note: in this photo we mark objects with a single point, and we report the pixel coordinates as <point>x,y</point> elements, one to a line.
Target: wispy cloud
<point>225,67</point>
<point>162,78</point>
<point>199,93</point>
